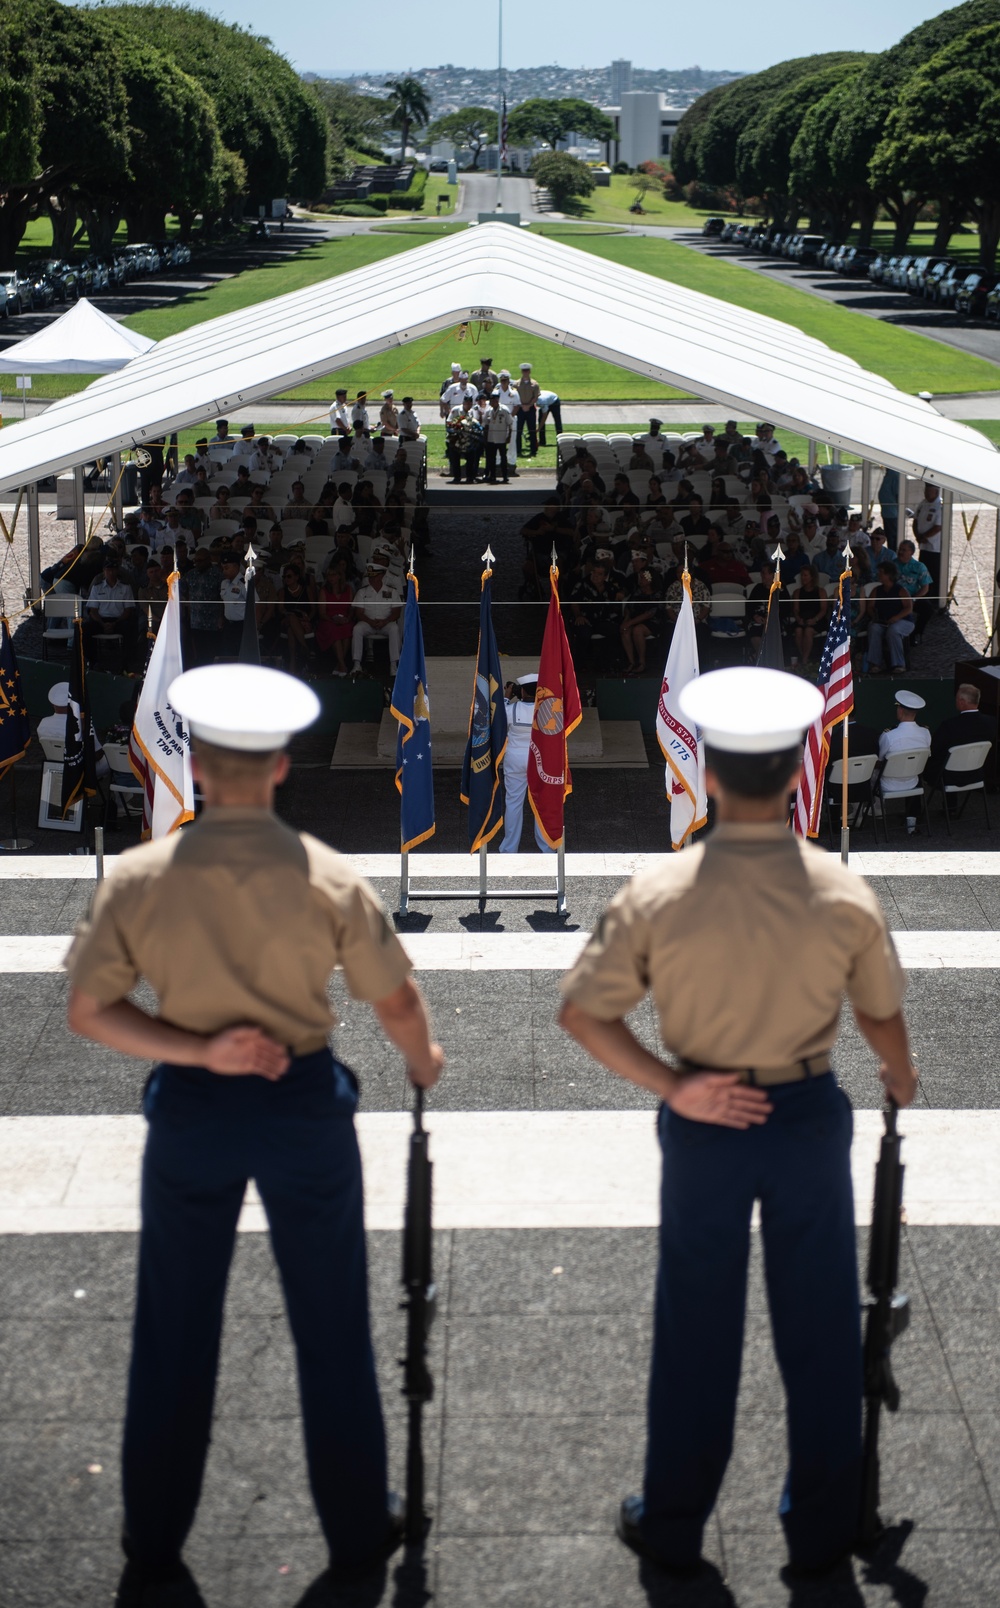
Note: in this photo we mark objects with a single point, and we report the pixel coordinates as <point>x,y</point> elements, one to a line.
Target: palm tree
<point>409,106</point>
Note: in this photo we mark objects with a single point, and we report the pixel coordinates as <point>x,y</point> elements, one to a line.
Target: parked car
<point>18,291</point>
<point>84,278</point>
<point>917,272</point>
<point>946,284</point>
<point>974,291</point>
<point>900,270</point>
<point>828,252</point>
<point>713,226</point>
<point>5,307</point>
<point>100,278</point>
<point>42,292</point>
<point>932,277</point>
<point>877,268</point>
<point>62,278</point>
<point>182,254</point>
<point>853,262</point>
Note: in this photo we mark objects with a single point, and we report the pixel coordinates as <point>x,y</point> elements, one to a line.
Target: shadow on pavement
<point>708,1590</point>
<point>882,1567</point>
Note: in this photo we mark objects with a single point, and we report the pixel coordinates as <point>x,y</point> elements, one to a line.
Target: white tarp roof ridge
<point>742,360</point>
<point>83,340</point>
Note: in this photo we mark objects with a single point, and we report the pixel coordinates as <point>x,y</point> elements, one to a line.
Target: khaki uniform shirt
<point>747,944</point>
<point>238,919</point>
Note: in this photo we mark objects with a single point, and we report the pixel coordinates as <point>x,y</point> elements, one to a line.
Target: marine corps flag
<point>682,747</point>
<point>410,706</point>
<point>159,749</point>
<point>15,728</point>
<point>79,777</point>
<point>482,788</point>
<point>557,713</point>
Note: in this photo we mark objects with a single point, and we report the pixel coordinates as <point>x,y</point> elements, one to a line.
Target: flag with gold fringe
<point>15,727</point>
<point>482,785</point>
<point>411,707</point>
<point>681,745</point>
<point>558,712</point>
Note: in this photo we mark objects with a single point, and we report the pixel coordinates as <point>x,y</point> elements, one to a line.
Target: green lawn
<point>611,203</point>
<point>911,361</point>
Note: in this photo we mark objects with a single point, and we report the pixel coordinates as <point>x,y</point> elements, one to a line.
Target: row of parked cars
<point>972,292</point>
<point>41,284</point>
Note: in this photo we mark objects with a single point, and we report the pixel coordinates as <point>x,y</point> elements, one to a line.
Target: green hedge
<point>410,200</point>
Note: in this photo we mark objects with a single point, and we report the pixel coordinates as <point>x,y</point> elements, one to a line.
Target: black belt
<point>766,1077</point>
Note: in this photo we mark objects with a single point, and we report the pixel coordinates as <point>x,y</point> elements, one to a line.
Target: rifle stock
<point>419,1303</point>
<point>887,1315</point>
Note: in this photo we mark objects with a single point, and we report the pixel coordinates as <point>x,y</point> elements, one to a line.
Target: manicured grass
<point>987,427</point>
<point>912,362</point>
<point>611,203</point>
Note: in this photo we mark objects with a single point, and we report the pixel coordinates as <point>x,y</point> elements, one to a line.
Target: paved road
<point>861,296</point>
<point>479,194</point>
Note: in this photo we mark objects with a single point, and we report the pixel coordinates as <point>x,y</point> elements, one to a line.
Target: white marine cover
<point>755,366</point>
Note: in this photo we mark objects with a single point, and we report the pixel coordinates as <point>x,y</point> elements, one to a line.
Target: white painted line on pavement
<point>426,867</point>
<point>505,1169</point>
<point>550,951</point>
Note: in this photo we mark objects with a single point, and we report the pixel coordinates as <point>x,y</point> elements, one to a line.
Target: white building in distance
<point>644,127</point>
<point>621,80</point>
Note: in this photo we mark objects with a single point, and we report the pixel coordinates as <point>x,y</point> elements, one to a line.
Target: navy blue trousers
<point>798,1166</point>
<point>208,1135</point>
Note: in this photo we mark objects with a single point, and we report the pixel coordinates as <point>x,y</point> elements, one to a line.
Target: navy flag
<point>15,728</point>
<point>409,704</point>
<point>772,651</point>
<point>482,787</point>
<point>249,641</point>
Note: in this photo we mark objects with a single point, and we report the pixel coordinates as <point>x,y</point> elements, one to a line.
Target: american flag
<point>503,131</point>
<point>836,682</point>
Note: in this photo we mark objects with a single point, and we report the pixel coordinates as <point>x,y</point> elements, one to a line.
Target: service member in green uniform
<point>747,944</point>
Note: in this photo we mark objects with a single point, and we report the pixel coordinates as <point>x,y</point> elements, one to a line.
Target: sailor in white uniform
<point>520,706</point>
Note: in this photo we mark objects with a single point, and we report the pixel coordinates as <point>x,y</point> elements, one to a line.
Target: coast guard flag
<point>414,777</point>
<point>557,713</point>
<point>482,788</point>
<point>159,749</point>
<point>681,746</point>
<point>836,682</point>
<point>15,728</point>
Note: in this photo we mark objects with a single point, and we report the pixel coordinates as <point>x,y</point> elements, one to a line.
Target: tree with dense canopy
<point>264,111</point>
<point>859,131</point>
<point>551,120</point>
<point>409,107</point>
<point>763,150</point>
<point>744,103</point>
<point>357,123</point>
<point>564,176</point>
<point>831,201</point>
<point>471,126</point>
<point>943,136</point>
<point>685,147</point>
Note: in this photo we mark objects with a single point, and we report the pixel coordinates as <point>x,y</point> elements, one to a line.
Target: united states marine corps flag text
<point>410,706</point>
<point>681,746</point>
<point>482,787</point>
<point>557,713</point>
<point>159,749</point>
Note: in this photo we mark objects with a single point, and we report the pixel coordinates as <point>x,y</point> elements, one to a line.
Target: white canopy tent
<point>754,365</point>
<point>82,341</point>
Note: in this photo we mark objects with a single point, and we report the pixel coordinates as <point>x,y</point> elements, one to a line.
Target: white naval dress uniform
<point>898,740</point>
<point>509,401</point>
<point>520,714</point>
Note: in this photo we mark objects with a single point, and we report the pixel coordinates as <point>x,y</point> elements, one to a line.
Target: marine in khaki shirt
<point>237,924</point>
<point>747,944</point>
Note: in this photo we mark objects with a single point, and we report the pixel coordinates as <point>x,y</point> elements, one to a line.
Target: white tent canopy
<point>754,365</point>
<point>82,341</point>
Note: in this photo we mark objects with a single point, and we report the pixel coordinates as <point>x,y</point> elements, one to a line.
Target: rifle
<point>888,1315</point>
<point>419,1305</point>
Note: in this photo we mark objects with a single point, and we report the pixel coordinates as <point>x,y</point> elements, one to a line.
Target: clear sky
<point>326,37</point>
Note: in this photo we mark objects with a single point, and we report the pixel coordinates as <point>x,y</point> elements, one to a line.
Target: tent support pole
<point>79,506</point>
<point>901,515</point>
<point>992,647</point>
<point>835,454</point>
<point>866,490</point>
<point>117,506</point>
<point>34,542</point>
<point>811,456</point>
<point>947,515</point>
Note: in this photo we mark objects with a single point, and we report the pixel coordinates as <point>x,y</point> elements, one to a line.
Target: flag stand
<point>99,852</point>
<point>845,830</point>
<point>14,843</point>
<point>483,892</point>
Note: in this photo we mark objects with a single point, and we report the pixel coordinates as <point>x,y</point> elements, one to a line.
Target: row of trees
<point>845,137</point>
<point>132,111</point>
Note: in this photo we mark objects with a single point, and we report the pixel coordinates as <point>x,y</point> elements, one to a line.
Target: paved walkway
<point>545,1200</point>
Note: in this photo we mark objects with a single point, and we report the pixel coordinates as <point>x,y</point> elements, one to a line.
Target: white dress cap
<point>910,700</point>
<point>526,681</point>
<point>749,710</point>
<point>59,695</point>
<point>246,707</point>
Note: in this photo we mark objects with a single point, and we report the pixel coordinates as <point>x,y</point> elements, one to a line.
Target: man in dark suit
<point>968,725</point>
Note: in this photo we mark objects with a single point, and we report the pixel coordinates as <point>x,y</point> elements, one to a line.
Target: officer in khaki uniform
<point>237,923</point>
<point>747,944</point>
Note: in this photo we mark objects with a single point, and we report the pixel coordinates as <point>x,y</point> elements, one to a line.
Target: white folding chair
<point>860,770</point>
<point>59,612</point>
<point>50,816</point>
<point>727,614</point>
<point>963,759</point>
<point>906,765</point>
<point>124,784</point>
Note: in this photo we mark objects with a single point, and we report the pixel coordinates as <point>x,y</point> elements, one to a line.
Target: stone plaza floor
<point>541,1345</point>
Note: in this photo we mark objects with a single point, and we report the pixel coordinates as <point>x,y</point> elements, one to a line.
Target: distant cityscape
<point>453,87</point>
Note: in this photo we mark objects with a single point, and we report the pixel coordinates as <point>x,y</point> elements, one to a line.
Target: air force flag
<point>414,777</point>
